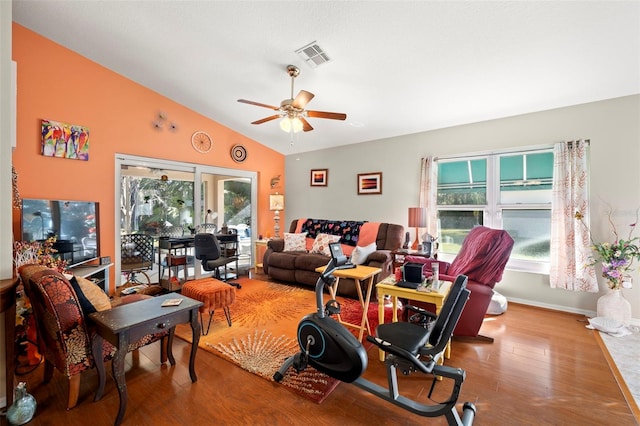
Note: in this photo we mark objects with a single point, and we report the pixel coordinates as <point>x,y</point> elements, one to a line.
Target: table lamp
<point>276,203</point>
<point>417,219</point>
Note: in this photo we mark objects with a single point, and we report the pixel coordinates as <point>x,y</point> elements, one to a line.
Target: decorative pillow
<point>368,233</point>
<point>90,296</point>
<point>295,242</point>
<point>360,254</point>
<point>321,243</point>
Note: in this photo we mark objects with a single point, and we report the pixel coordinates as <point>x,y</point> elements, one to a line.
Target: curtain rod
<point>507,151</point>
<point>586,141</point>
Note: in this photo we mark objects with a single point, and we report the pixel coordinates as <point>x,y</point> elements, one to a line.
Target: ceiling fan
<point>292,110</point>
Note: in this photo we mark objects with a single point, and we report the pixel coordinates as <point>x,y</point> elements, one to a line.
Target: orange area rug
<point>265,318</point>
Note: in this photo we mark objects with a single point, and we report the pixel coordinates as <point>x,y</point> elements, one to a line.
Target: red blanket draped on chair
<point>483,255</point>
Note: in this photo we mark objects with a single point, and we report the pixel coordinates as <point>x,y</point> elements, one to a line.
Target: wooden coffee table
<point>358,274</point>
<point>128,323</point>
<point>388,287</point>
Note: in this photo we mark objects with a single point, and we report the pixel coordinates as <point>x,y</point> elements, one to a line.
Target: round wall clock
<point>238,153</point>
<point>201,141</point>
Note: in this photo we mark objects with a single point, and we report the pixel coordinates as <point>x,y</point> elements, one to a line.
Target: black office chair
<point>209,253</point>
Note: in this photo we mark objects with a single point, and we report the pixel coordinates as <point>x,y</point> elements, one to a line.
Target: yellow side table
<point>260,248</point>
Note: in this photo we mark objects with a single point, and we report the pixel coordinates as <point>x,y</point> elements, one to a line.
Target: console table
<point>128,323</point>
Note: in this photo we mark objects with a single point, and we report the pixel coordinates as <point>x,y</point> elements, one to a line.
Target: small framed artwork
<point>319,177</point>
<point>369,183</point>
<point>65,140</point>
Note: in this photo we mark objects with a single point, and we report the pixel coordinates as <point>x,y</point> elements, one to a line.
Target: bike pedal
<point>332,307</point>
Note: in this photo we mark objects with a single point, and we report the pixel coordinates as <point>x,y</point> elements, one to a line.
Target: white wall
<point>6,237</point>
<point>613,126</point>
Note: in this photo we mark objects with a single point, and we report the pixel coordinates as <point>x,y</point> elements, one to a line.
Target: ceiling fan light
<point>297,124</point>
<point>291,124</point>
<point>285,124</point>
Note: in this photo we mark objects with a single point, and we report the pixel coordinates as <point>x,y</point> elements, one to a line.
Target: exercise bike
<point>330,348</point>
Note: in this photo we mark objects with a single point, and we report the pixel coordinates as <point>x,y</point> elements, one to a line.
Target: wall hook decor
<point>161,122</point>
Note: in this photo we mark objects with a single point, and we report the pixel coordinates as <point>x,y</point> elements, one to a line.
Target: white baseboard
<point>562,308</point>
<point>585,312</point>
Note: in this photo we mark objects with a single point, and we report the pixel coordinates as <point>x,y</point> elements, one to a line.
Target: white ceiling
<point>397,67</point>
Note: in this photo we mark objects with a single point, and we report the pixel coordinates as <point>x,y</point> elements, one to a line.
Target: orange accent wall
<point>56,83</point>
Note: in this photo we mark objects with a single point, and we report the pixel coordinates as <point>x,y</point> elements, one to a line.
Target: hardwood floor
<point>544,368</point>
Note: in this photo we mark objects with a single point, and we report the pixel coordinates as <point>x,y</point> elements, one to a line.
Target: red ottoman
<point>213,294</point>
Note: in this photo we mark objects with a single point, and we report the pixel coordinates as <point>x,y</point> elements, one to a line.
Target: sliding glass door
<point>166,199</point>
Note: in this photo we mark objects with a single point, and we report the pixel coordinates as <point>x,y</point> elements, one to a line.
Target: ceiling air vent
<point>313,54</point>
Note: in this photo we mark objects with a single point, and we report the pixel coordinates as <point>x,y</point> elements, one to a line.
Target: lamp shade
<point>276,202</point>
<point>417,217</point>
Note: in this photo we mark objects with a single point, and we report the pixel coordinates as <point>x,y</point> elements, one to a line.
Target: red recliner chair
<point>482,258</point>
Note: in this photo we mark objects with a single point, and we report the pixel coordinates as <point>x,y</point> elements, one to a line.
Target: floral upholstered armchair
<point>64,332</point>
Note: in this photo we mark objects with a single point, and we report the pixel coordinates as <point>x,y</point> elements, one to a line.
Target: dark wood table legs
<point>195,336</point>
<point>122,325</point>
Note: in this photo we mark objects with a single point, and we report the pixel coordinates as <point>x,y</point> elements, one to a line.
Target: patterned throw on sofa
<point>348,230</point>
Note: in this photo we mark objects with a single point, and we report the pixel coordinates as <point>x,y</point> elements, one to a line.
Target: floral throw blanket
<point>348,230</point>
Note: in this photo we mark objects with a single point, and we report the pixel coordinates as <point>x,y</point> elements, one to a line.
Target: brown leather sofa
<point>299,266</point>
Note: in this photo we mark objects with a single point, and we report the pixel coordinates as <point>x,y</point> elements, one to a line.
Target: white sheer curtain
<point>429,193</point>
<point>570,243</point>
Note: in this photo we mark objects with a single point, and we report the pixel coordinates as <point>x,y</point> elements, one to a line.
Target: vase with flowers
<point>617,259</point>
<point>38,252</point>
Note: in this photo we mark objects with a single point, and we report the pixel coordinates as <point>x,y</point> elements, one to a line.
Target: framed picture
<point>369,183</point>
<point>319,177</point>
<point>65,140</point>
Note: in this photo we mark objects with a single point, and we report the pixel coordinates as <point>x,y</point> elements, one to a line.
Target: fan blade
<point>330,115</point>
<point>302,99</point>
<point>305,125</point>
<point>264,120</point>
<point>244,101</point>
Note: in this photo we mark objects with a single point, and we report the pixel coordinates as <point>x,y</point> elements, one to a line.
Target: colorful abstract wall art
<point>65,140</point>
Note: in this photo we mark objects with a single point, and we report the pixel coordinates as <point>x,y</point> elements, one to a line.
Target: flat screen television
<point>75,224</point>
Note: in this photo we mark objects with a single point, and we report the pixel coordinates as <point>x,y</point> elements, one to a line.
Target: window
<point>510,191</point>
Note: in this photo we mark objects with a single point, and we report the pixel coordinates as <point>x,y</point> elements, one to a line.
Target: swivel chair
<point>211,256</point>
